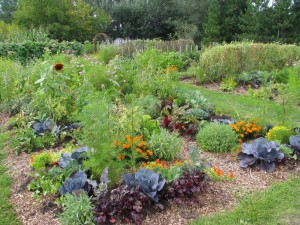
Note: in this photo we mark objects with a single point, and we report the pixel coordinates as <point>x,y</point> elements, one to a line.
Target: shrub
<point>165,145</point>
<point>279,133</point>
<point>29,49</point>
<point>228,60</point>
<point>216,138</point>
<point>77,210</point>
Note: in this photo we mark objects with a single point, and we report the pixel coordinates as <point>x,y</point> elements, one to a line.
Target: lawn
<point>278,205</point>
<point>7,214</point>
<point>245,107</point>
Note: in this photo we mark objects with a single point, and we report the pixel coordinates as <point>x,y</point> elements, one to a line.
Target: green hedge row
<point>28,50</point>
<point>222,61</point>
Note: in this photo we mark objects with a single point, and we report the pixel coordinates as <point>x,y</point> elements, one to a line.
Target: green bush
<point>216,137</point>
<point>227,60</point>
<point>77,210</point>
<point>165,145</point>
<point>27,50</point>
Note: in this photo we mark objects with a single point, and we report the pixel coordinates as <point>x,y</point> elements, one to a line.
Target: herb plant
<point>77,210</point>
<point>216,138</point>
<point>165,145</point>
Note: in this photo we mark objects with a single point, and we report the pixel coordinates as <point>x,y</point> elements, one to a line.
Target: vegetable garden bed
<point>119,141</point>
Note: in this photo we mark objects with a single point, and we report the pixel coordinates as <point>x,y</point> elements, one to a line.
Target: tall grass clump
<point>222,61</point>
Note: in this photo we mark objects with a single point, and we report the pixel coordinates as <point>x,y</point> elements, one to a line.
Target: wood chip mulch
<point>219,197</point>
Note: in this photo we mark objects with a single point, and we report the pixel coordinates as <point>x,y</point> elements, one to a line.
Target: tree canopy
<point>64,19</point>
<point>202,20</point>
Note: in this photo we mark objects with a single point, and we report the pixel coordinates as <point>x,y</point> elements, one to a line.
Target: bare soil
<point>220,196</point>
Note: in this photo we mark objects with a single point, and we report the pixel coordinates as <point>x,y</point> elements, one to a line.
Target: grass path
<point>7,215</point>
<point>245,107</point>
<point>279,205</point>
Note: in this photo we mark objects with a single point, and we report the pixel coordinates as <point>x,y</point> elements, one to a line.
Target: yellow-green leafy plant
<point>228,84</point>
<point>279,133</point>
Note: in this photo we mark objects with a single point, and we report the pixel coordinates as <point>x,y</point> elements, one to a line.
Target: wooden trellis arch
<point>100,37</point>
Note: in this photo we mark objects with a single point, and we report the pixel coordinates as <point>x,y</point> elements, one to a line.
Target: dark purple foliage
<point>123,201</point>
<point>188,185</point>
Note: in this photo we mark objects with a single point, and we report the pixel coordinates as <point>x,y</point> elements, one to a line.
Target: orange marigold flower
<point>149,152</point>
<point>122,156</point>
<point>231,175</point>
<point>58,66</point>
<point>32,158</point>
<point>141,144</point>
<point>128,137</point>
<point>220,172</point>
<point>137,138</point>
<point>125,146</point>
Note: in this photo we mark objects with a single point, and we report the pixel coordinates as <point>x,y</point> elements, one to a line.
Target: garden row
<point>113,127</point>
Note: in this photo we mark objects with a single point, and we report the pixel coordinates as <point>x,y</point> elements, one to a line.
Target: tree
<point>65,19</point>
<point>282,20</point>
<point>231,16</point>
<point>211,29</point>
<point>7,8</point>
<point>295,12</point>
<point>249,22</point>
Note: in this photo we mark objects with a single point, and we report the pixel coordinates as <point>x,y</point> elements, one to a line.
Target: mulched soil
<point>219,197</point>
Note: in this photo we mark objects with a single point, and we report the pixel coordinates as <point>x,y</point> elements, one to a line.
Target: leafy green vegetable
<point>77,155</point>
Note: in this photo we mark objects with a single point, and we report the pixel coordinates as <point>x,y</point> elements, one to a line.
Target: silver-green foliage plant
<point>77,210</point>
<point>165,145</point>
<point>216,138</point>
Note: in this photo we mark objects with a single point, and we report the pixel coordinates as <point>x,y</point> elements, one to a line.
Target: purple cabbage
<point>261,151</point>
